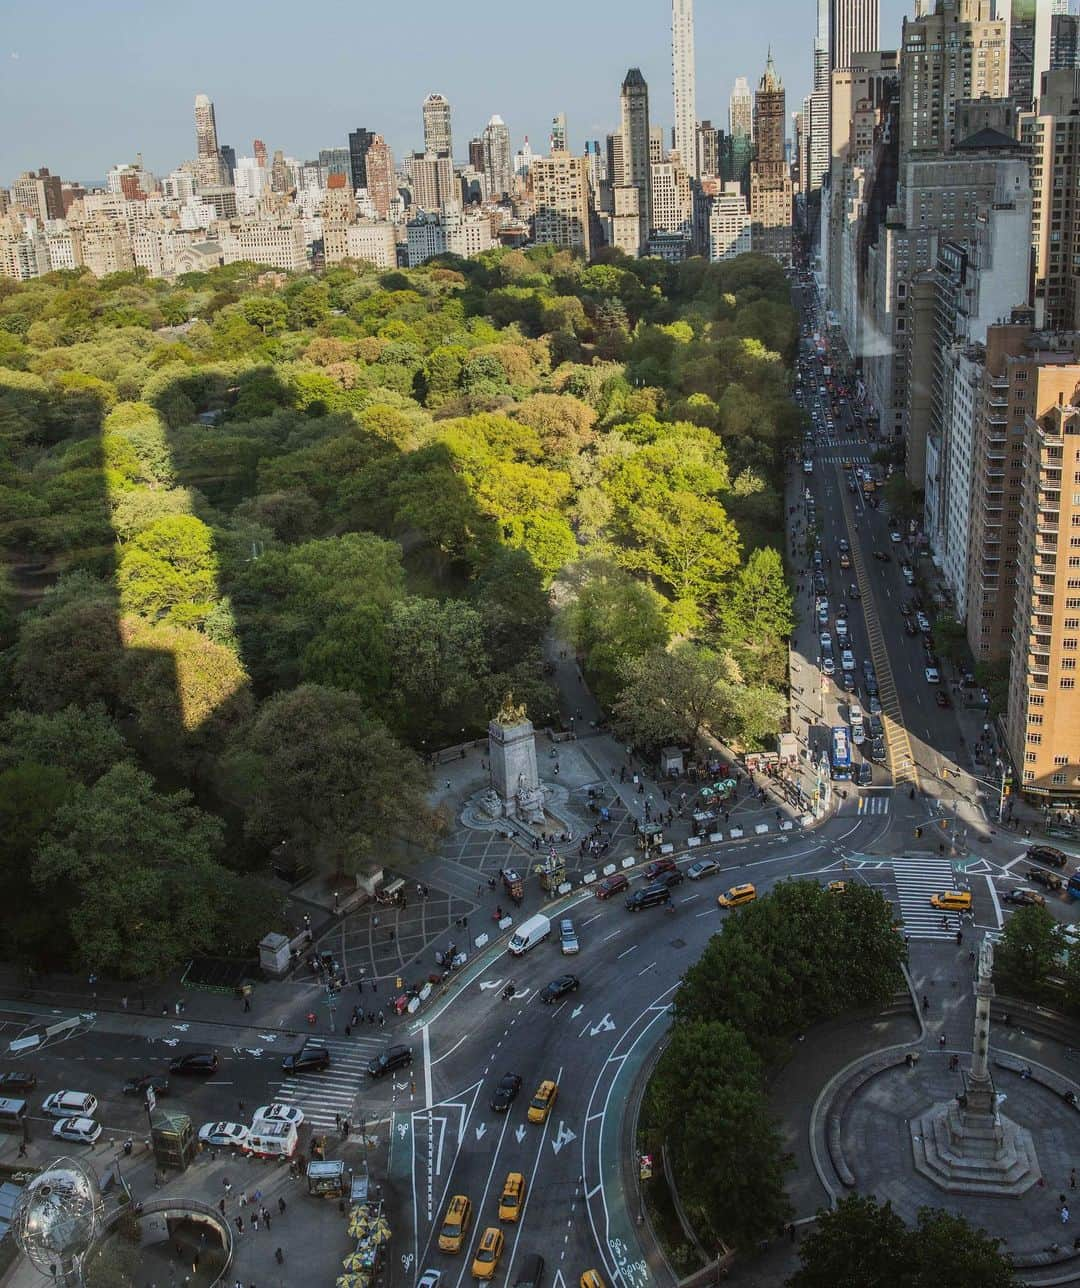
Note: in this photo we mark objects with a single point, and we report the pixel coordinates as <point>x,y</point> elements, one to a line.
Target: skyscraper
<point>437,137</point>
<point>258,149</point>
<point>497,161</point>
<point>741,110</point>
<point>682,72</point>
<point>770,176</point>
<point>632,191</point>
<point>853,29</point>
<point>208,165</point>
<point>1051,138</point>
<point>360,140</point>
<point>558,132</point>
<point>814,136</point>
<point>1030,33</point>
<point>380,175</point>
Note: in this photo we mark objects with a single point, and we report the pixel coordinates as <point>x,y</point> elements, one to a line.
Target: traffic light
<point>918,833</point>
<point>943,824</point>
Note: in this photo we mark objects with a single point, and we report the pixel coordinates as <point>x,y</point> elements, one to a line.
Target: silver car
<point>568,936</point>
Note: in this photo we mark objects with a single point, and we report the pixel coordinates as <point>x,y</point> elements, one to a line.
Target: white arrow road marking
<point>480,1130</point>
<point>490,983</point>
<point>605,1026</point>
<point>576,1011</point>
<point>563,1137</point>
<point>520,1134</point>
<point>268,1037</point>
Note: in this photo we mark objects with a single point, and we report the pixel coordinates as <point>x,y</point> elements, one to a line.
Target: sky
<point>86,85</point>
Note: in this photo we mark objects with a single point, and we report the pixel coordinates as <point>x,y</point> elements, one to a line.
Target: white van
<point>270,1139</point>
<point>529,934</point>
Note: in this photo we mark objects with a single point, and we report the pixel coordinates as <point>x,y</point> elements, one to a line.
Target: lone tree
<point>862,1242</point>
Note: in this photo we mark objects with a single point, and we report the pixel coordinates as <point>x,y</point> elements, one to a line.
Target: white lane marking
<point>647,968</point>
<point>427,1065</point>
<point>445,1053</point>
<point>997,906</point>
<point>631,949</point>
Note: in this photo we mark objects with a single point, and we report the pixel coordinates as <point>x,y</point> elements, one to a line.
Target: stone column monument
<point>966,1145</point>
<point>516,791</point>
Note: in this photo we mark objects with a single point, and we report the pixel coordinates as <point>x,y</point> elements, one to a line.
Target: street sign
<point>645,1166</point>
<point>151,1100</point>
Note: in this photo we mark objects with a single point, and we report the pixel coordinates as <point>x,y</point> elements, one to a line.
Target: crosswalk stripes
<point>873,805</point>
<point>916,881</point>
<point>335,1090</point>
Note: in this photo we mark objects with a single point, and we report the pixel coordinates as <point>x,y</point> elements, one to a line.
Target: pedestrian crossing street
<point>876,804</point>
<point>916,880</point>
<point>336,1090</point>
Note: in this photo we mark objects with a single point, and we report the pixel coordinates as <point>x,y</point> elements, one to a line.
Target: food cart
<point>326,1179</point>
<point>513,884</point>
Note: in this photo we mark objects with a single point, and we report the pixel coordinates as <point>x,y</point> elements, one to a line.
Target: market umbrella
<point>380,1230</point>
<point>359,1219</point>
<point>355,1262</point>
<point>353,1281</point>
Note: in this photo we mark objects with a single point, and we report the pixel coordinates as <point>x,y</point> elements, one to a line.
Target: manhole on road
<point>678,943</point>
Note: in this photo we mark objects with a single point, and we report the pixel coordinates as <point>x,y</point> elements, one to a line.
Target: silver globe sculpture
<point>57,1218</point>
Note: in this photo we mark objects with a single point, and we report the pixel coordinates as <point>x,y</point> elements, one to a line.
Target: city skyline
<point>72,100</point>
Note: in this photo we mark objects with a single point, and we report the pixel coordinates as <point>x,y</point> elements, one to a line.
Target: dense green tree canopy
<point>862,1242</point>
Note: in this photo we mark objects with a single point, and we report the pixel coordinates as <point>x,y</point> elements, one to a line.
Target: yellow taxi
<point>540,1104</point>
<point>488,1252</point>
<point>592,1279</point>
<point>737,896</point>
<point>455,1224</point>
<point>951,901</point>
<point>513,1197</point>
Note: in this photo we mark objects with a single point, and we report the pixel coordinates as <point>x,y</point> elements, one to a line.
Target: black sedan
<point>559,988</point>
<point>195,1063</point>
<point>505,1093</point>
<point>307,1058</point>
<point>882,557</point>
<point>141,1083</point>
<point>17,1080</point>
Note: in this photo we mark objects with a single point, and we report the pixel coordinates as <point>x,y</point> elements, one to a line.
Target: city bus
<point>841,752</point>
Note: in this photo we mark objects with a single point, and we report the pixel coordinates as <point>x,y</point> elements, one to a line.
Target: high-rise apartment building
<point>708,150</point>
<point>360,140</point>
<point>741,110</point>
<point>853,29</point>
<point>476,154</point>
<point>437,134</point>
<point>39,195</point>
<point>498,167</point>
<point>722,221</point>
<point>1043,718</point>
<point>682,72</point>
<point>1051,137</point>
<point>433,182</point>
<point>258,149</point>
<point>956,52</point>
<point>380,185</point>
<point>770,176</point>
<point>560,185</point>
<point>208,166</point>
<point>631,180</point>
<point>672,209</point>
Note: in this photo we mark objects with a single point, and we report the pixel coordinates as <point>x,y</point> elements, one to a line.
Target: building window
<point>1061,760</point>
<point>1037,699</point>
<point>1068,683</point>
<point>1058,780</point>
<point>1034,739</point>
<point>1030,757</point>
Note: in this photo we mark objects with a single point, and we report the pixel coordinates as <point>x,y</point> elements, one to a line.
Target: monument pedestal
<point>973,1153</point>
